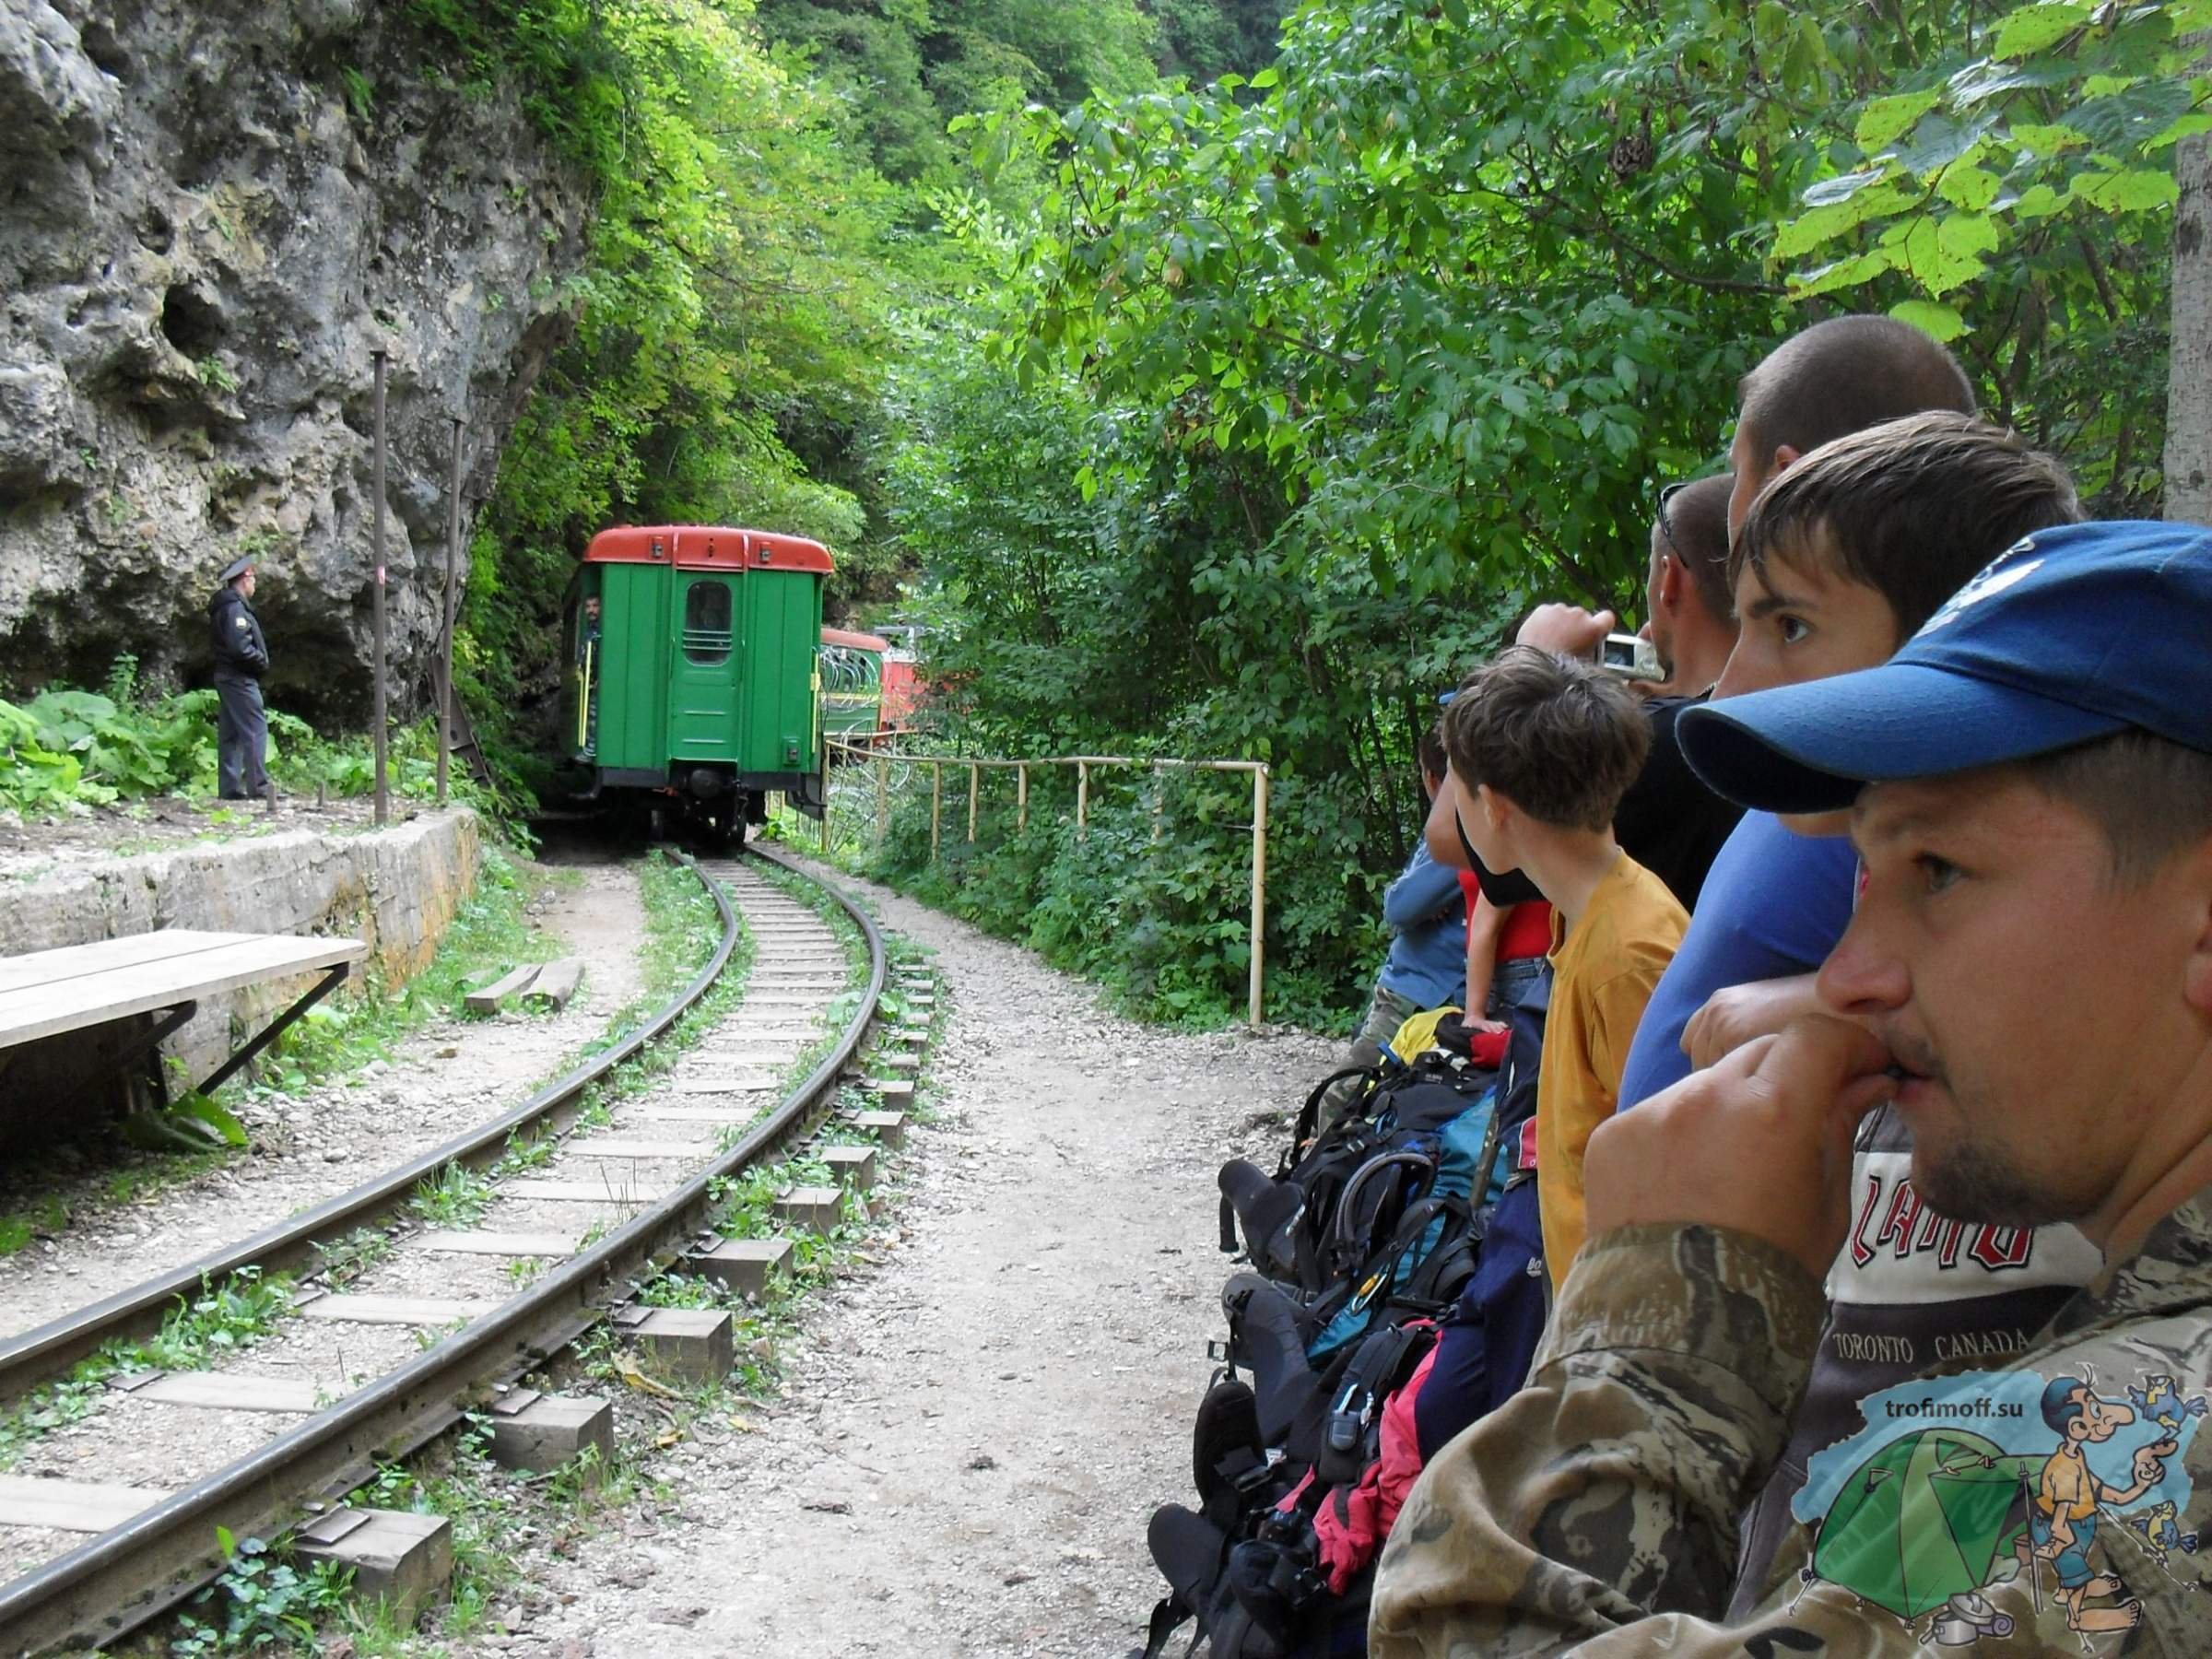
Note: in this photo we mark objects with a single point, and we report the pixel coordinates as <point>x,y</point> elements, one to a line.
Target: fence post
<point>883,798</point>
<point>1160,804</point>
<point>1021,797</point>
<point>1259,887</point>
<point>1082,797</point>
<point>974,776</point>
<point>937,804</point>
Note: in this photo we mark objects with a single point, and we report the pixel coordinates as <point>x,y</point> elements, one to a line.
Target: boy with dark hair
<point>1843,558</point>
<point>1542,748</point>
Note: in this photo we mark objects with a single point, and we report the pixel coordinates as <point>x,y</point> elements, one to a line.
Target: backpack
<point>1243,1563</point>
<point>1379,1208</point>
<point>1268,1452</point>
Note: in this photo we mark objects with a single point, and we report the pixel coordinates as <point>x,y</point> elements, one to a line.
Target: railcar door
<point>702,691</point>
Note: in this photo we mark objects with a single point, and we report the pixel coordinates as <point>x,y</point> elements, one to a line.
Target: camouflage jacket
<point>1598,1511</point>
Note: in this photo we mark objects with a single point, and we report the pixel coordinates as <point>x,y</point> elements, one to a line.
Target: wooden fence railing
<point>863,750</point>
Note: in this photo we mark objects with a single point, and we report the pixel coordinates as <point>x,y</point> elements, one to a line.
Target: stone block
<point>854,1166</point>
<point>397,1556</point>
<point>744,1265</point>
<point>687,1345</point>
<point>818,1209</point>
<point>890,1128</point>
<point>539,1431</point>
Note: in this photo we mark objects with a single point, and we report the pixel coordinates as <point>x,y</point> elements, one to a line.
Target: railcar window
<point>707,621</point>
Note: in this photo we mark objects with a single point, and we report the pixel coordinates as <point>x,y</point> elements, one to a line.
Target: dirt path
<point>976,1431</point>
<point>305,1149</point>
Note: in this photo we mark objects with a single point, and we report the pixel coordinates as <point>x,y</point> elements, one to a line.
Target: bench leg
<point>275,1029</point>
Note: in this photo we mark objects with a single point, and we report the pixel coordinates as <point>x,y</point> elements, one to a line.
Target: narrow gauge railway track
<point>153,1558</point>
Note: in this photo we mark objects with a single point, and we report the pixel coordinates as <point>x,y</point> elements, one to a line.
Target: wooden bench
<point>162,976</point>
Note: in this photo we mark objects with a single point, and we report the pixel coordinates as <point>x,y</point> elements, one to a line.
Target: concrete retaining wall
<point>395,888</point>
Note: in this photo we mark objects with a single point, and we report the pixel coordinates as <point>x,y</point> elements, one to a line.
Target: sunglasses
<point>1667,525</point>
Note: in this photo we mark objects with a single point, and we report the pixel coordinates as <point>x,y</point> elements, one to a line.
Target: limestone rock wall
<point>211,212</point>
<point>396,888</point>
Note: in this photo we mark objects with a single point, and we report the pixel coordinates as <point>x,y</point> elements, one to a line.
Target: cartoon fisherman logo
<point>1924,1521</point>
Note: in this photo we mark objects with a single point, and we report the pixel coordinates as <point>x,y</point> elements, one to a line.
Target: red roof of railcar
<point>857,642</point>
<point>706,546</point>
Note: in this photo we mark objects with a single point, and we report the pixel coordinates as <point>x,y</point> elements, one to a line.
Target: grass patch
<point>220,1320</point>
<point>456,1197</point>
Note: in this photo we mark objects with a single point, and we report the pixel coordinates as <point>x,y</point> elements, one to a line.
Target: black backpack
<point>1356,1211</point>
<point>1242,1568</point>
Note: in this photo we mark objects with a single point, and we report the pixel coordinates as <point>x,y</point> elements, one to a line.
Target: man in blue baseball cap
<point>2028,977</point>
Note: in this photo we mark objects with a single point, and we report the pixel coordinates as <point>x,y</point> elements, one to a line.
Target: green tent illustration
<point>1923,1519</point>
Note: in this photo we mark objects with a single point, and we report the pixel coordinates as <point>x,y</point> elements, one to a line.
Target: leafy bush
<point>71,747</point>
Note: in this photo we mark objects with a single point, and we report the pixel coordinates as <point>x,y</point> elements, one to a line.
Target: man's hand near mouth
<point>1760,1142</point>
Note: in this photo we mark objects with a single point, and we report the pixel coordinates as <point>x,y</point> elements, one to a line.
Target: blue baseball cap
<point>2072,634</point>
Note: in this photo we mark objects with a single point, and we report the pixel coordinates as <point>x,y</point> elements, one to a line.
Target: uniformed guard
<point>241,657</point>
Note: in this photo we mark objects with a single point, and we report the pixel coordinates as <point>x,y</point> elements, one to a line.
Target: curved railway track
<point>152,1557</point>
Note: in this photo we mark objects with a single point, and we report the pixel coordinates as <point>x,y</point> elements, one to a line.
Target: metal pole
<point>825,797</point>
<point>883,799</point>
<point>445,654</point>
<point>936,803</point>
<point>974,774</point>
<point>1021,797</point>
<point>1259,888</point>
<point>1082,797</point>
<point>383,796</point>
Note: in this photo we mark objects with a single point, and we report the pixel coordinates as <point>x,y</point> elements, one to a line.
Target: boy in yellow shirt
<point>1542,748</point>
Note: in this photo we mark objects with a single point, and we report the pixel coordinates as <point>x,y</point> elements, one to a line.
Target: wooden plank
<point>496,1243</point>
<point>73,961</point>
<point>736,1083</point>
<point>396,1310</point>
<point>688,1114</point>
<point>488,1000</point>
<point>556,982</point>
<point>219,1391</point>
<point>579,1192</point>
<point>41,1010</point>
<point>80,1506</point>
<point>617,1147</point>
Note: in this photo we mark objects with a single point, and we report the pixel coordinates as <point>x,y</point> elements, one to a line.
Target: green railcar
<point>693,684</point>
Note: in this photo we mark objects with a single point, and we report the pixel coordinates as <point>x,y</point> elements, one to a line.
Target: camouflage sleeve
<point>1609,1489</point>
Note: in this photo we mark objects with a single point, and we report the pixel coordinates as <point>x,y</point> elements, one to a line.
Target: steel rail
<point>117,1581</point>
<point>46,1352</point>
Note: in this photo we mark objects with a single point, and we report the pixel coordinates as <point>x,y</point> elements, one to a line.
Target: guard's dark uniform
<point>241,657</point>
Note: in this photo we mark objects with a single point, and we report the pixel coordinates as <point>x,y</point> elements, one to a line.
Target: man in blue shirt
<point>1773,906</point>
<point>1426,966</point>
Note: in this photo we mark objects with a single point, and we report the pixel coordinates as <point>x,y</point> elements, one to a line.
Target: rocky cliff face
<point>212,212</point>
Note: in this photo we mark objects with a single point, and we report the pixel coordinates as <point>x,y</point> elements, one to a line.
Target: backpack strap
<point>1167,1615</point>
<point>1309,1115</point>
<point>1341,1242</point>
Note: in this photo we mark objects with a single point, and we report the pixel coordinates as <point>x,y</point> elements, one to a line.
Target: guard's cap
<point>2072,633</point>
<point>237,567</point>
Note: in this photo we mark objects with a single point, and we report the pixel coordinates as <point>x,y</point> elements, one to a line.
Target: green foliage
<point>1304,383</point>
<point>456,1197</point>
<point>259,1601</point>
<point>2021,187</point>
<point>69,749</point>
<point>770,198</point>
